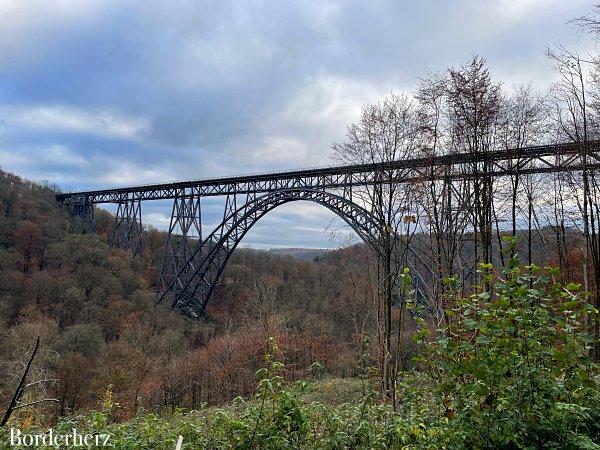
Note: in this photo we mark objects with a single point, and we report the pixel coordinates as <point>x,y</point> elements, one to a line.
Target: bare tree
<point>474,102</point>
<point>385,132</point>
<point>574,118</point>
<point>442,199</point>
<point>521,125</point>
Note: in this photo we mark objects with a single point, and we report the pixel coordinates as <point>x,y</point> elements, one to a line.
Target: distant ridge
<point>301,254</point>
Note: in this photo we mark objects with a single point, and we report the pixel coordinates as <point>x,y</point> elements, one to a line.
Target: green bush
<point>512,369</point>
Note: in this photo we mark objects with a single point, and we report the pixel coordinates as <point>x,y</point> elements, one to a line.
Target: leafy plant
<point>512,369</point>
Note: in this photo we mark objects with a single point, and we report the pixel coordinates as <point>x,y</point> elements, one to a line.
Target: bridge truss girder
<point>127,229</point>
<point>539,159</point>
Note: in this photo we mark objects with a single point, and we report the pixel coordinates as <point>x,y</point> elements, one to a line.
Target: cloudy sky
<point>100,93</point>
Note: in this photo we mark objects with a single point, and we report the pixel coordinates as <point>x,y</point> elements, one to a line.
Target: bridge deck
<point>551,158</point>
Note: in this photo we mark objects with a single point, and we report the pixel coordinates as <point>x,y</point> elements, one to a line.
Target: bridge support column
<point>185,234</point>
<point>203,260</point>
<point>127,229</point>
<point>85,212</point>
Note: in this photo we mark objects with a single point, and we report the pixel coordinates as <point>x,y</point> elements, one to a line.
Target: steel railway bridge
<point>193,262</point>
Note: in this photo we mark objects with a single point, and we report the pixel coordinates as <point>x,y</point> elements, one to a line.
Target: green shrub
<point>512,369</point>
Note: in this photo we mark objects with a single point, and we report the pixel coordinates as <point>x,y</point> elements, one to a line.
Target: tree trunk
<point>19,391</point>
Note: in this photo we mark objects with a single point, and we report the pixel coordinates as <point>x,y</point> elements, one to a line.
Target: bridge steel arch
<point>192,287</point>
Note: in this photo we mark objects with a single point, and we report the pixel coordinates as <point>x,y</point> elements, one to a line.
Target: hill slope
<point>94,309</point>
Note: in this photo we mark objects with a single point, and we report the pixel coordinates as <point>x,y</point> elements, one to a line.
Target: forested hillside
<point>94,309</point>
<point>106,347</point>
<point>293,338</point>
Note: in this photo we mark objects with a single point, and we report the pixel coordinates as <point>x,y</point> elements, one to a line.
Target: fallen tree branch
<point>36,402</point>
<point>13,403</point>
<point>46,380</point>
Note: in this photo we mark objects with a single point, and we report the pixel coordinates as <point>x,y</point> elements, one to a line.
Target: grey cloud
<point>157,90</point>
